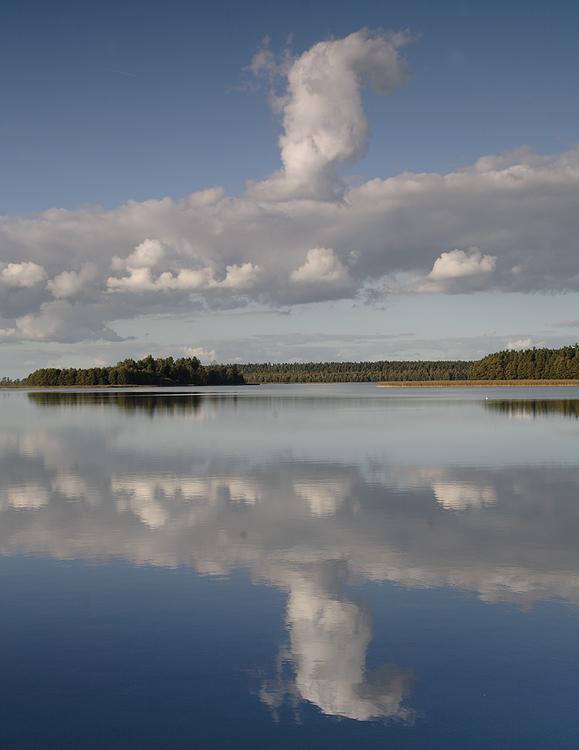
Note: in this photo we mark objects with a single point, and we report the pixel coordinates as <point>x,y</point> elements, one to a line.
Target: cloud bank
<point>507,223</point>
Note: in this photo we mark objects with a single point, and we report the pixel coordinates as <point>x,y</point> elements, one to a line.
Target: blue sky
<point>110,103</point>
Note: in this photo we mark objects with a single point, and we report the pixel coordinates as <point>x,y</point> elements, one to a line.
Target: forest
<point>354,372</point>
<point>147,371</point>
<point>531,364</point>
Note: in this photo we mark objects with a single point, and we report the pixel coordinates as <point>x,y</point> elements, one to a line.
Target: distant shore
<point>25,387</point>
<point>476,383</point>
<point>386,384</point>
<point>527,368</point>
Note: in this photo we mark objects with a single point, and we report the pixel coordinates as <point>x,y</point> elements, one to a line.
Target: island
<point>148,371</point>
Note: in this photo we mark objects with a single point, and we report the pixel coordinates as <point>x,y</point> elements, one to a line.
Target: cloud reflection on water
<point>507,533</point>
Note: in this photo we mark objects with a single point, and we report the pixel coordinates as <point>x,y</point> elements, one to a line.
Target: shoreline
<point>112,387</point>
<point>549,383</point>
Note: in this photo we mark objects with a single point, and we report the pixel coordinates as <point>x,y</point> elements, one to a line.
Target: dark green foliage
<point>531,364</point>
<point>353,372</point>
<point>539,364</point>
<point>147,371</point>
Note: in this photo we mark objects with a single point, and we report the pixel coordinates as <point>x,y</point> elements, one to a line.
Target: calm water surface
<point>289,567</point>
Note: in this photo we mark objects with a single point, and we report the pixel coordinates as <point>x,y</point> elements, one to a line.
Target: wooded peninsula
<point>529,365</point>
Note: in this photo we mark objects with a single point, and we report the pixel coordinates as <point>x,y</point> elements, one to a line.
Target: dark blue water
<point>290,567</point>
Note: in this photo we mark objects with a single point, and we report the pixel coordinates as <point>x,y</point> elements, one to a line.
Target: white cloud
<point>41,326</point>
<point>146,255</point>
<point>520,344</point>
<point>140,279</point>
<point>456,264</point>
<point>205,198</point>
<point>60,320</point>
<point>453,271</point>
<point>240,276</point>
<point>187,279</point>
<point>323,119</point>
<point>205,355</point>
<point>70,283</point>
<point>321,265</point>
<point>25,275</point>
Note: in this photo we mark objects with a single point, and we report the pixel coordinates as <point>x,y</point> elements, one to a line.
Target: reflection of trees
<point>315,397</point>
<point>137,402</point>
<point>565,407</point>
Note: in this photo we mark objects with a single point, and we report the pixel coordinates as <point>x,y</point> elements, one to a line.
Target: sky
<point>257,181</point>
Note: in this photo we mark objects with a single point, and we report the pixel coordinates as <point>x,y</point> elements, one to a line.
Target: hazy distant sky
<point>268,181</point>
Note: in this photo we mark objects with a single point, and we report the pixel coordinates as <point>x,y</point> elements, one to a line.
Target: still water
<point>289,567</point>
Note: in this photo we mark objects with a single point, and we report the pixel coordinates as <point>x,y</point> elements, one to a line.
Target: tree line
<point>353,372</point>
<point>147,371</point>
<point>530,364</point>
<point>6,382</point>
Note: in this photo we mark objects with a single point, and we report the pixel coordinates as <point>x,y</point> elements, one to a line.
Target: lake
<point>317,566</point>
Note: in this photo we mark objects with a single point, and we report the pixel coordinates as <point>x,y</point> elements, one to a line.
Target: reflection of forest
<point>158,402</point>
<point>565,407</point>
<point>166,402</point>
<point>138,403</point>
